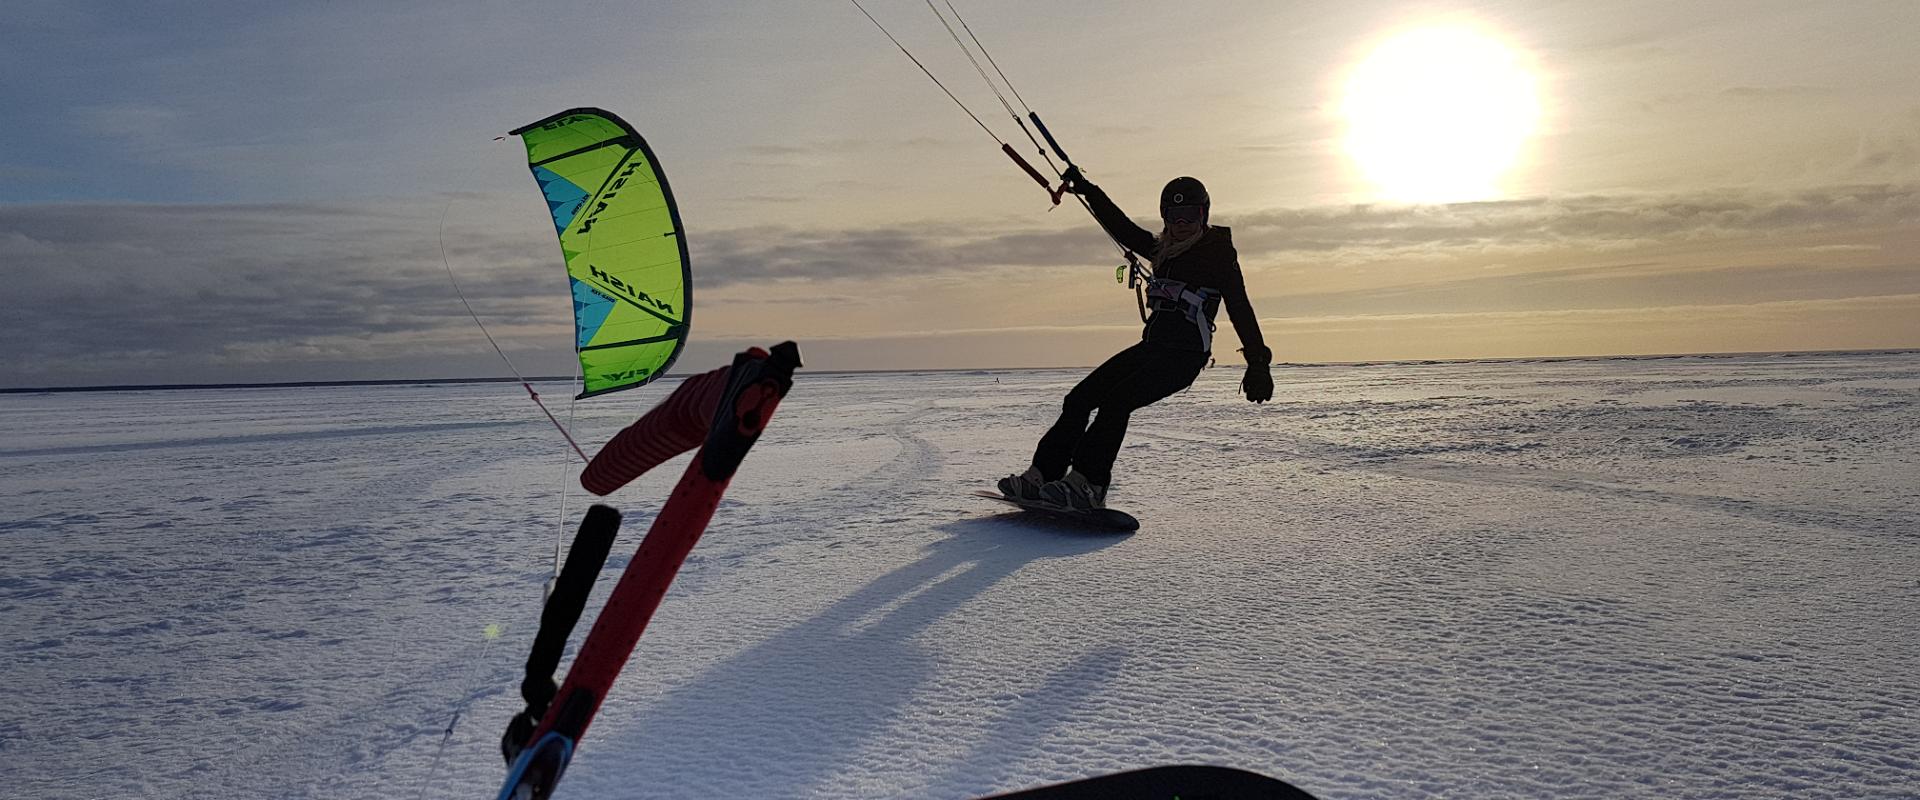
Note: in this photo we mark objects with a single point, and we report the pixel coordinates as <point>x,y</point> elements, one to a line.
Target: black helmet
<point>1183,191</point>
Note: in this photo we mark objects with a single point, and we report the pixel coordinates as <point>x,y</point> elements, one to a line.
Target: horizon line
<point>1277,364</point>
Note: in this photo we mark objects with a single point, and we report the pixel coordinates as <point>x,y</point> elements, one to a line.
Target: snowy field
<point>1672,578</point>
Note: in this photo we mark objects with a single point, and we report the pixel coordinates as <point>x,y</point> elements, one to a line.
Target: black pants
<point>1133,378</point>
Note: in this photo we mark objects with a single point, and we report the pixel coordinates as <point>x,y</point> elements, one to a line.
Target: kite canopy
<point>625,250</point>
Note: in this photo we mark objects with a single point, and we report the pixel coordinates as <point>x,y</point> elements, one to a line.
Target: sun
<point>1439,115</point>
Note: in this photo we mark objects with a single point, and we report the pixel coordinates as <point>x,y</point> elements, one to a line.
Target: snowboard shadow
<point>1034,523</point>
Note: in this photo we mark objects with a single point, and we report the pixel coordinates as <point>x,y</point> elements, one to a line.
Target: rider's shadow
<point>790,712</point>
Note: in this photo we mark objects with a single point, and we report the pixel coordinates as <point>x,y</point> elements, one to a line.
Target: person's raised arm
<point>1129,235</point>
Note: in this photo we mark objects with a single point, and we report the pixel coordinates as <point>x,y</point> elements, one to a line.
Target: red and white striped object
<point>675,426</point>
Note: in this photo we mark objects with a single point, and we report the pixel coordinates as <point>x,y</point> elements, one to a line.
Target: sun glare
<point>1439,115</point>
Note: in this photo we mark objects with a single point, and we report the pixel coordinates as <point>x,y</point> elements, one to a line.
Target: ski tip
<point>538,769</point>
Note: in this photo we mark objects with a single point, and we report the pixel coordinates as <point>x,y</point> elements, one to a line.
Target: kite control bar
<point>1035,174</point>
<point>1132,270</point>
<point>1135,273</point>
<point>1048,135</point>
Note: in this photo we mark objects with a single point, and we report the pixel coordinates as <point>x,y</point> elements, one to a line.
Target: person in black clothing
<point>1195,271</point>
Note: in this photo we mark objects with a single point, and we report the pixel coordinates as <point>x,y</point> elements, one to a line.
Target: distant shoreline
<point>1414,362</point>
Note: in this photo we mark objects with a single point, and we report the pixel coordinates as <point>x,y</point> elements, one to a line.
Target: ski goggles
<point>1183,213</point>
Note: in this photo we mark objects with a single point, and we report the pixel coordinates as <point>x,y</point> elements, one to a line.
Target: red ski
<point>735,403</point>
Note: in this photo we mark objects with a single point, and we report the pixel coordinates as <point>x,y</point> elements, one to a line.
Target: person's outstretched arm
<point>1131,236</point>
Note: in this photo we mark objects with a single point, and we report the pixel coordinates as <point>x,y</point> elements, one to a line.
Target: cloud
<point>1538,225</point>
<point>785,253</point>
<point>119,286</point>
<point>1735,96</point>
<point>1894,151</point>
<point>847,146</point>
<point>233,100</point>
<point>1769,92</point>
<point>1575,222</point>
<point>221,292</point>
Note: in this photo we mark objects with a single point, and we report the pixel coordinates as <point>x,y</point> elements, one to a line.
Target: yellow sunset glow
<point>1438,115</point>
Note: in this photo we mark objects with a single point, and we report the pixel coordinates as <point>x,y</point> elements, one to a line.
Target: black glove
<point>1258,384</point>
<point>1075,182</point>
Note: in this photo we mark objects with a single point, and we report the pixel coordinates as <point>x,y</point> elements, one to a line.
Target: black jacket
<point>1211,263</point>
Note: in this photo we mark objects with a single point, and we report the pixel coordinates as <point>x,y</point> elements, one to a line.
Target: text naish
<point>629,290</point>
<point>628,375</point>
<point>612,191</point>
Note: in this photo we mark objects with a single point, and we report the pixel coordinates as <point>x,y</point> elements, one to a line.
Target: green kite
<point>625,250</point>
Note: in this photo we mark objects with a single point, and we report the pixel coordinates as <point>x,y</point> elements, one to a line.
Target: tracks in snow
<point>1537,478</point>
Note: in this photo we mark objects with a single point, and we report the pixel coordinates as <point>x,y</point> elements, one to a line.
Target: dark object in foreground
<point>1182,782</point>
<point>565,602</point>
<point>538,752</point>
<point>1106,519</point>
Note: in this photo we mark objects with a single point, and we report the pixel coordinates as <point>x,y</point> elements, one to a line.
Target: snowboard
<point>1106,519</point>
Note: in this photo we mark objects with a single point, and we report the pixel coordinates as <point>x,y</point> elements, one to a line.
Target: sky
<point>237,192</point>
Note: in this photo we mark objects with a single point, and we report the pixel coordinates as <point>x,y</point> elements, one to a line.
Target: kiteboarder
<point>1195,271</point>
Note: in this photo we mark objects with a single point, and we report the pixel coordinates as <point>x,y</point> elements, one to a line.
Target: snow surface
<point>1689,577</point>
